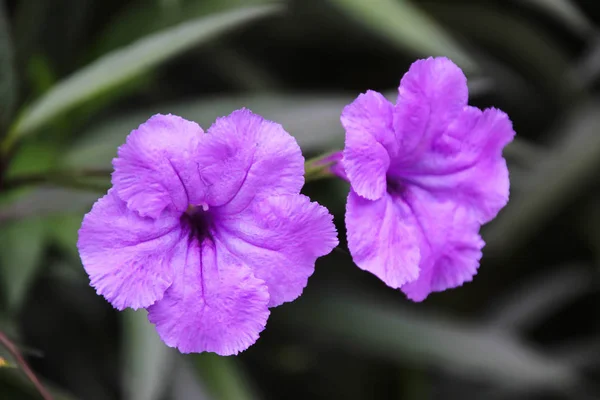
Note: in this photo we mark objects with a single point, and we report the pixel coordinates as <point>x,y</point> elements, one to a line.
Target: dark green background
<point>525,328</point>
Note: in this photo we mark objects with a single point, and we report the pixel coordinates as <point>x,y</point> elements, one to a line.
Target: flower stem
<point>321,167</point>
<point>10,346</point>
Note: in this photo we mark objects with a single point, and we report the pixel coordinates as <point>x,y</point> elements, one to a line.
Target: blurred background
<point>76,76</point>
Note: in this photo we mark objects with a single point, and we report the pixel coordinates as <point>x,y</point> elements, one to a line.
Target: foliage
<point>77,76</point>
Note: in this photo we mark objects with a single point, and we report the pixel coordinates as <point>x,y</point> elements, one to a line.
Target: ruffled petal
<point>243,156</point>
<point>280,239</point>
<point>431,95</point>
<point>449,242</point>
<point>129,259</point>
<point>156,165</point>
<point>465,164</point>
<point>383,238</point>
<point>215,303</point>
<point>370,142</point>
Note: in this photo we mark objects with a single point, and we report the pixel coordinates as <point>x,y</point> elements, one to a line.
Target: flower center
<point>394,185</point>
<point>199,220</point>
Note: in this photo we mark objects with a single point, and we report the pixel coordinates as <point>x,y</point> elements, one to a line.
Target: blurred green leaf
<point>34,157</point>
<point>223,377</point>
<point>21,250</point>
<point>313,120</point>
<point>565,11</point>
<point>148,361</point>
<point>125,64</point>
<point>44,201</point>
<point>186,384</point>
<point>142,18</point>
<point>408,26</point>
<point>428,341</point>
<point>536,299</point>
<point>505,35</point>
<point>570,164</point>
<point>8,78</point>
<point>586,70</point>
<point>40,74</point>
<point>57,30</point>
<point>244,73</point>
<point>63,232</point>
<point>524,153</point>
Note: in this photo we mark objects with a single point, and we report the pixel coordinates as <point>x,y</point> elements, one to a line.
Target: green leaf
<point>57,30</point>
<point>63,232</point>
<point>504,35</point>
<point>567,12</point>
<point>40,74</point>
<point>142,18</point>
<point>44,201</point>
<point>147,360</point>
<point>223,377</point>
<point>33,158</point>
<point>7,73</point>
<point>554,182</point>
<point>313,120</point>
<point>427,341</point>
<point>537,299</point>
<point>21,250</point>
<point>408,26</point>
<point>123,65</point>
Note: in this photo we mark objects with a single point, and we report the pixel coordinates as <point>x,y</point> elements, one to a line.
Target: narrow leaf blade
<point>223,377</point>
<point>429,341</point>
<point>147,359</point>
<point>314,120</point>
<point>122,65</point>
<point>408,26</point>
<point>21,249</point>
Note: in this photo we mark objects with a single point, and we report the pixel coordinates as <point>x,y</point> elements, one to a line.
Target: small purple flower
<point>425,174</point>
<point>206,231</point>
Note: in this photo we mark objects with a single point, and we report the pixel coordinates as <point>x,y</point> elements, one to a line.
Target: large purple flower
<point>206,231</point>
<point>425,174</point>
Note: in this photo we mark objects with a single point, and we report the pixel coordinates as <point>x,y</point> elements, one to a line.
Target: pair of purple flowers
<point>207,231</point>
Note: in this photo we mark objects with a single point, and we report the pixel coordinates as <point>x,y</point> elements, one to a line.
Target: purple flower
<point>425,174</point>
<point>206,231</point>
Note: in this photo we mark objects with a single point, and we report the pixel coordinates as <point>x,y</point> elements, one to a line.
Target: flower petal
<point>280,238</point>
<point>449,242</point>
<point>370,143</point>
<point>244,156</point>
<point>382,238</point>
<point>129,258</point>
<point>465,164</point>
<point>156,164</point>
<point>215,303</point>
<point>431,95</point>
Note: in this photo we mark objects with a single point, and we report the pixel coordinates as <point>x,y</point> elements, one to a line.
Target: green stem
<point>317,168</point>
<point>24,366</point>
